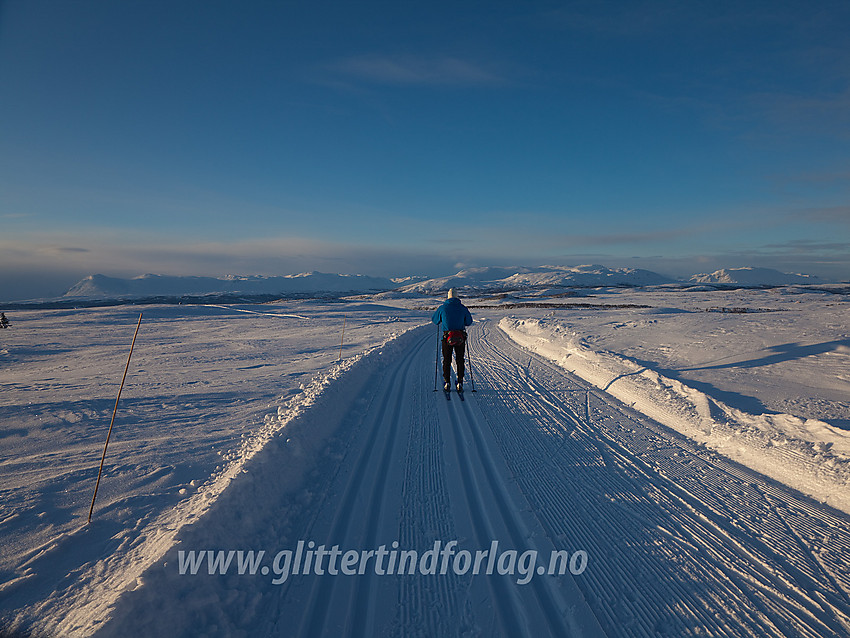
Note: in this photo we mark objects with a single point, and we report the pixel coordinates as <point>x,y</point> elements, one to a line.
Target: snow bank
<point>80,610</point>
<point>806,454</point>
<point>210,388</point>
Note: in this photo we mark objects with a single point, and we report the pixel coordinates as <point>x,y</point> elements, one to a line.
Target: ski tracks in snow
<point>679,541</point>
<point>426,473</point>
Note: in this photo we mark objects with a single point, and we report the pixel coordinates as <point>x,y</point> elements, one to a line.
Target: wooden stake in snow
<point>114,412</point>
<point>343,338</point>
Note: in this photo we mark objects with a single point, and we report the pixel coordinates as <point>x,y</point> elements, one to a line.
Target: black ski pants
<point>459,349</point>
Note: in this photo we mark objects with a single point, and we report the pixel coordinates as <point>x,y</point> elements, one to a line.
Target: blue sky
<point>396,138</point>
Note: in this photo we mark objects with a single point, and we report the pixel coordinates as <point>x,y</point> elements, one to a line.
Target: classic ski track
<point>504,602</point>
<point>706,516</point>
<point>381,435</point>
<point>433,606</point>
<point>460,487</point>
<point>680,541</point>
<point>465,418</point>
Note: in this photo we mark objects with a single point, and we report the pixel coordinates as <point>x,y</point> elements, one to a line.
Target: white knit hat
<point>452,294</point>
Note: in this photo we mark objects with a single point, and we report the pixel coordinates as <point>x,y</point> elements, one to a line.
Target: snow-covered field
<point>207,387</point>
<point>240,429</point>
<point>769,387</point>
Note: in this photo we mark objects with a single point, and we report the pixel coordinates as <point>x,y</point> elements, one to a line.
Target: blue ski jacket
<point>453,315</point>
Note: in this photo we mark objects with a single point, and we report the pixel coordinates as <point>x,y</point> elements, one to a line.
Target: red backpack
<point>455,337</point>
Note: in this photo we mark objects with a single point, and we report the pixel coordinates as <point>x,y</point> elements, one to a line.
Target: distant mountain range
<point>484,279</point>
<point>165,285</point>
<point>755,277</point>
<point>491,278</point>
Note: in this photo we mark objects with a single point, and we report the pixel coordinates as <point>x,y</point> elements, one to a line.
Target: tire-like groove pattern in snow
<point>681,540</point>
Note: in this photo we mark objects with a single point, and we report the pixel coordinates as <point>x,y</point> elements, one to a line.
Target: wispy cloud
<point>814,177</point>
<point>829,215</point>
<point>808,247</point>
<point>620,238</point>
<point>826,111</point>
<point>113,255</point>
<point>65,249</point>
<point>614,19</point>
<point>416,70</point>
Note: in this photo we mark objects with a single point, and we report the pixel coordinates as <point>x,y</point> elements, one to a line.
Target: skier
<point>4,323</point>
<point>454,317</point>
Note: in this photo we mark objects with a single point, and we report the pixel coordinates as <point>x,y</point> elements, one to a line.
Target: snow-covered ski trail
<point>423,474</point>
<point>489,507</point>
<point>679,541</point>
<point>335,607</point>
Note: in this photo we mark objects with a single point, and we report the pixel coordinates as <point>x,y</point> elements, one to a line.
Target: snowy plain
<point>207,387</point>
<point>760,375</point>
<point>247,427</point>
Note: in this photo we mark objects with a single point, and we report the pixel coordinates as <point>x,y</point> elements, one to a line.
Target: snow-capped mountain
<point>521,277</point>
<point>490,278</point>
<point>754,277</point>
<point>164,285</point>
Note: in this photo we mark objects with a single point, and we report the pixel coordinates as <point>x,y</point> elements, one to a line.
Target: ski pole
<point>469,362</point>
<point>437,357</point>
<point>341,341</point>
<point>112,422</point>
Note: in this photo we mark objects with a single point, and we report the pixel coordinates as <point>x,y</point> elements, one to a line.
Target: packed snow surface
<point>633,434</point>
<point>765,380</point>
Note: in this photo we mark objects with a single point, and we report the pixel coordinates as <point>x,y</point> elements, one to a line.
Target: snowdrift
<point>806,454</point>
